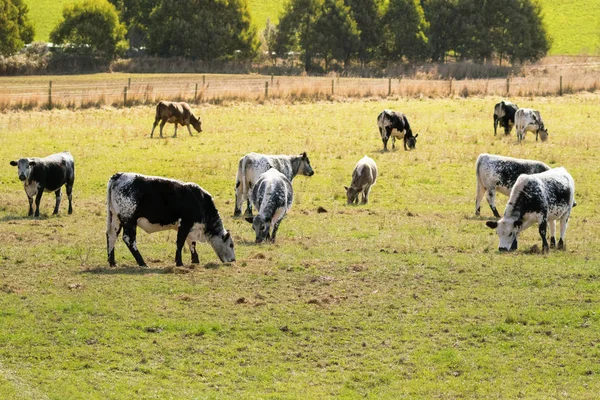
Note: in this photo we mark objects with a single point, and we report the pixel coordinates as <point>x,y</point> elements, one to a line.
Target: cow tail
<point>109,200</point>
<point>243,174</point>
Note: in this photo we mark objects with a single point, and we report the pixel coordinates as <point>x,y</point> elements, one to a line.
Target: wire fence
<point>197,88</point>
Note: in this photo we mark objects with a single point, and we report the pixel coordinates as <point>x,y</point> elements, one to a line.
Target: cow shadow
<point>125,270</point>
<point>8,218</point>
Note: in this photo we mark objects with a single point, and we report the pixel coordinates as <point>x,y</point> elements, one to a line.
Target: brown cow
<point>175,113</point>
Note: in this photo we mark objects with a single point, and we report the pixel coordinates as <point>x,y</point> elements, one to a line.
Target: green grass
<point>405,297</point>
<point>574,26</point>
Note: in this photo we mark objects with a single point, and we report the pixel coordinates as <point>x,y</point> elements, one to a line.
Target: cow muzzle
<point>22,177</point>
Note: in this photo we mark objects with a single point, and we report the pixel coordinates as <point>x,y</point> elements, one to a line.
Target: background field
<point>406,297</point>
<point>573,25</point>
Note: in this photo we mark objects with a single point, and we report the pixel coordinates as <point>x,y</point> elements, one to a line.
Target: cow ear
<point>492,224</point>
<point>346,187</point>
<point>31,163</point>
<point>518,223</point>
<point>304,156</point>
<point>416,136</point>
<point>13,163</point>
<point>226,236</point>
<point>249,219</point>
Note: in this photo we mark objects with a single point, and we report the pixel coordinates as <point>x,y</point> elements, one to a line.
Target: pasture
<point>406,297</point>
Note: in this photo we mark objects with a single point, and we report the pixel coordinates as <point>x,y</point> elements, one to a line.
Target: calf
<point>541,198</point>
<point>175,113</point>
<point>252,165</point>
<point>155,204</point>
<point>530,120</point>
<point>499,173</point>
<point>363,177</point>
<point>395,124</point>
<point>47,174</point>
<point>272,196</point>
<point>504,115</point>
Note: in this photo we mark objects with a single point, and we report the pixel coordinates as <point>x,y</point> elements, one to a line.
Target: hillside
<point>573,26</point>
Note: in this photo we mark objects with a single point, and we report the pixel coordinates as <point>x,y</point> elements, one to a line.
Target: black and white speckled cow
<point>47,174</point>
<point>395,125</point>
<point>363,177</point>
<point>499,173</point>
<point>252,165</point>
<point>156,204</point>
<point>541,198</point>
<point>529,120</point>
<point>504,115</point>
<point>272,195</point>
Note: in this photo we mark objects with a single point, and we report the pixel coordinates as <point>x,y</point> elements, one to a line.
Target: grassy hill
<point>574,26</point>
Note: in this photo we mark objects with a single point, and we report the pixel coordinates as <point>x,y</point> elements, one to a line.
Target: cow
<point>363,177</point>
<point>395,124</point>
<point>527,119</point>
<point>504,115</point>
<point>175,113</point>
<point>156,204</point>
<point>47,174</point>
<point>252,165</point>
<point>499,173</point>
<point>272,195</point>
<point>541,198</point>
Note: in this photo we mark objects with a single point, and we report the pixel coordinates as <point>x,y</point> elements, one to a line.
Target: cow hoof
<point>545,249</point>
<point>561,245</point>
<point>237,213</point>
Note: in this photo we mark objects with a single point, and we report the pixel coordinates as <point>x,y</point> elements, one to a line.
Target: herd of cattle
<point>536,192</point>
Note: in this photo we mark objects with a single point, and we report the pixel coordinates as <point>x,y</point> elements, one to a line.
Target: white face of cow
<point>23,167</point>
<point>508,231</point>
<point>223,246</point>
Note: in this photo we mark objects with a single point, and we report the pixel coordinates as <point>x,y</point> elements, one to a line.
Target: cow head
<point>305,168</point>
<point>352,194</point>
<point>261,228</point>
<point>196,123</point>
<point>411,142</point>
<point>543,132</point>
<point>24,167</point>
<point>223,245</point>
<point>508,230</point>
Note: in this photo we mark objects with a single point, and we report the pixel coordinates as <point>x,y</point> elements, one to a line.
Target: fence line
<point>200,88</point>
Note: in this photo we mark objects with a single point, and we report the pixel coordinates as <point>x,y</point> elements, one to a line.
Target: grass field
<point>574,26</point>
<point>406,297</point>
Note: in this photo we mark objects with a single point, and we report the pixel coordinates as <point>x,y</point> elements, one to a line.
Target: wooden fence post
<point>196,93</point>
<point>560,92</point>
<point>203,80</point>
<point>507,85</point>
<point>50,95</point>
<point>129,83</point>
<point>266,89</point>
<point>332,83</point>
<point>125,96</point>
<point>389,86</point>
<point>450,89</point>
<point>271,79</point>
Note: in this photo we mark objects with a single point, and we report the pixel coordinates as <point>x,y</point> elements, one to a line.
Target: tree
<point>369,23</point>
<point>404,31</point>
<point>15,28</point>
<point>295,29</point>
<point>334,35</point>
<point>135,14</point>
<point>269,40</point>
<point>528,34</point>
<point>203,29</point>
<point>91,27</point>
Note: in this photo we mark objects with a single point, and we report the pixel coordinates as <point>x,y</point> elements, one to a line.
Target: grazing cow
<point>541,198</point>
<point>504,115</point>
<point>395,124</point>
<point>363,177</point>
<point>156,204</point>
<point>499,173</point>
<point>272,195</point>
<point>252,165</point>
<point>530,120</point>
<point>176,113</point>
<point>47,174</point>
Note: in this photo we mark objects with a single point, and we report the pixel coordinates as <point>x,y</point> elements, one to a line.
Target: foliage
<point>206,30</point>
<point>91,27</point>
<point>269,40</point>
<point>404,31</point>
<point>295,29</point>
<point>135,14</point>
<point>406,297</point>
<point>368,21</point>
<point>15,27</point>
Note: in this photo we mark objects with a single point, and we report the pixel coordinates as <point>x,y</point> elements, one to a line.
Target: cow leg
<point>189,130</point>
<point>478,196</point>
<point>542,229</point>
<point>154,127</point>
<point>129,237</point>
<point>385,142</point>
<point>275,228</point>
<point>113,228</point>
<point>58,198</point>
<point>248,208</point>
<point>552,233</point>
<point>192,246</point>
<point>365,194</point>
<point>175,134</point>
<point>393,142</point>
<point>30,205</point>
<point>239,201</point>
<point>182,234</point>
<point>162,125</point>
<point>563,230</point>
<point>495,124</point>
<point>491,198</point>
<point>38,198</point>
<point>70,196</point>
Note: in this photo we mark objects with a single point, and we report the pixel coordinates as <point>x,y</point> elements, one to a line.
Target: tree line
<point>323,33</point>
